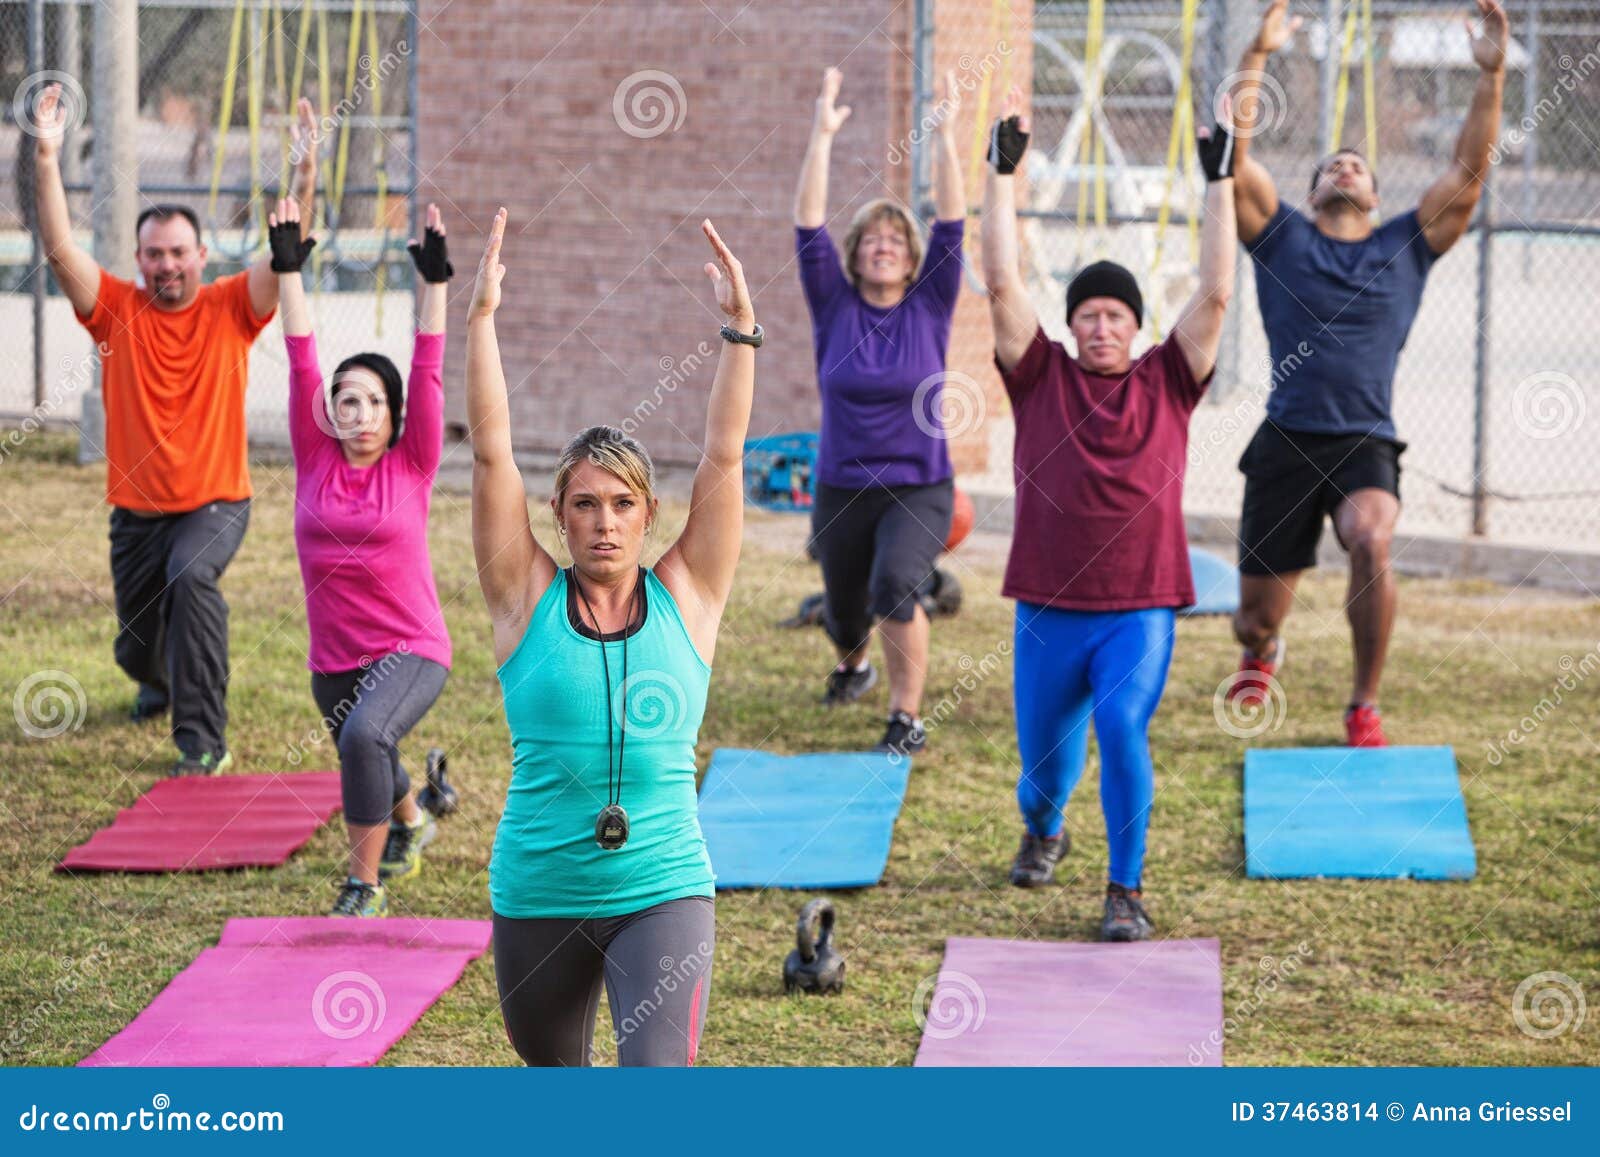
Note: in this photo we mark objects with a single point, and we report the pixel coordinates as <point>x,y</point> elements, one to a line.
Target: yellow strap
<point>280,79</point>
<point>1182,129</point>
<point>1368,85</point>
<point>324,104</point>
<point>1091,142</point>
<point>382,177</point>
<point>341,163</point>
<point>1341,91</point>
<point>229,80</point>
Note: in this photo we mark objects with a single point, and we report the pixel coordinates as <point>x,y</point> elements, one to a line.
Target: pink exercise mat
<point>305,991</point>
<point>1032,1003</point>
<point>195,823</point>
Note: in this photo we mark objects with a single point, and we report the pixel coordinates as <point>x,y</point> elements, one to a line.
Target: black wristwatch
<point>749,339</point>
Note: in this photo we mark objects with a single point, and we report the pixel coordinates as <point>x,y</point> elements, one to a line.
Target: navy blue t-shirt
<point>1336,315</point>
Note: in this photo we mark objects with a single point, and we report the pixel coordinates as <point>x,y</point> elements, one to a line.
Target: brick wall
<point>607,315</point>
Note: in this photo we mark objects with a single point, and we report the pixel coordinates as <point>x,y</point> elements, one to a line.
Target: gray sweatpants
<point>656,965</point>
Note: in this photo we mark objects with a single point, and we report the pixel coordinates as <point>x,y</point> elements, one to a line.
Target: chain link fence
<point>218,81</point>
<point>1497,388</point>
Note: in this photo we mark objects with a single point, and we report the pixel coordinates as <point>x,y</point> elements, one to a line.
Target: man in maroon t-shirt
<point>1099,560</point>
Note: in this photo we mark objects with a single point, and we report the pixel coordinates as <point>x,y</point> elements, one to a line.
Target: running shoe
<point>358,898</point>
<point>1363,727</point>
<point>1252,682</point>
<point>402,851</point>
<point>1037,858</point>
<point>846,685</point>
<point>1125,918</point>
<point>206,764</point>
<point>150,703</point>
<point>903,736</point>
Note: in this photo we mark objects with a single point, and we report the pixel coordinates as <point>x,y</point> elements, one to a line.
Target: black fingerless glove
<point>289,252</point>
<point>1216,154</point>
<point>429,255</point>
<point>1007,143</point>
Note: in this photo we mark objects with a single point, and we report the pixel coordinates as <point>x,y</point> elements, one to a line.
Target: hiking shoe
<point>358,898</point>
<point>206,764</point>
<point>904,735</point>
<point>402,851</point>
<point>149,703</point>
<point>846,685</point>
<point>1363,727</point>
<point>1037,858</point>
<point>1125,918</point>
<point>1252,682</point>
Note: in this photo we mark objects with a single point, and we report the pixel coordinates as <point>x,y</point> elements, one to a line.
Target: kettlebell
<point>439,797</point>
<point>814,965</point>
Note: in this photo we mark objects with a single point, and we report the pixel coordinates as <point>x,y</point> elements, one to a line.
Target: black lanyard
<point>611,825</point>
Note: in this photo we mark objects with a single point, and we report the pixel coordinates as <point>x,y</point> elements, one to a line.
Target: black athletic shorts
<point>1294,480</point>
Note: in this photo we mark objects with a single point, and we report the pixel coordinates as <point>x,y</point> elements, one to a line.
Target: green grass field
<point>1387,972</point>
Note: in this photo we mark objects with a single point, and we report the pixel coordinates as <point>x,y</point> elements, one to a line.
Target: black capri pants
<point>876,547</point>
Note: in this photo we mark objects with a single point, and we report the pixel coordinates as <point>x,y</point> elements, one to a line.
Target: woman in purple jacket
<point>880,326</point>
<point>365,456</point>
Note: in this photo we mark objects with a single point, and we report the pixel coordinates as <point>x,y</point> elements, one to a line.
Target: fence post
<point>922,70</point>
<point>114,104</point>
<point>1480,385</point>
<point>38,276</point>
<point>1330,74</point>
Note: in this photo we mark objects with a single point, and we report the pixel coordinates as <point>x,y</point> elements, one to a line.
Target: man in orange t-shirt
<point>174,360</point>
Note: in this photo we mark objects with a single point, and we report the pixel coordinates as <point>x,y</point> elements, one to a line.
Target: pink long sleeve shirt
<point>362,532</point>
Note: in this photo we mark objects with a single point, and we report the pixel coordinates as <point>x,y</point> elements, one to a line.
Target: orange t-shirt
<point>173,383</point>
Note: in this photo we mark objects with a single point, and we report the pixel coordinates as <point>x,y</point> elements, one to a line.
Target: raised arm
<point>1255,197</point>
<point>811,197</point>
<point>1011,310</point>
<point>513,569</point>
<point>698,568</point>
<point>76,271</point>
<point>288,246</point>
<point>949,195</point>
<point>422,436</point>
<point>1446,208</point>
<point>263,281</point>
<point>1198,330</point>
<point>311,433</point>
<point>434,272</point>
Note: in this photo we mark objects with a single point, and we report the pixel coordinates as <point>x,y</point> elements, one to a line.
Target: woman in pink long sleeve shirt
<point>365,456</point>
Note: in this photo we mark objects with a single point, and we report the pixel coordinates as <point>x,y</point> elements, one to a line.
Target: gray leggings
<point>369,711</point>
<point>656,965</point>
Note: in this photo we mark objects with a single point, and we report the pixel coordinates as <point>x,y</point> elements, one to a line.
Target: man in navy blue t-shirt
<point>1337,299</point>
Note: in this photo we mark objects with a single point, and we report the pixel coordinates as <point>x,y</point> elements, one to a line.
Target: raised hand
<point>733,296</point>
<point>1489,49</point>
<point>947,99</point>
<point>49,120</point>
<point>288,250</point>
<point>1276,27</point>
<point>429,255</point>
<point>1216,145</point>
<point>1008,139</point>
<point>486,291</point>
<point>305,135</point>
<point>830,116</point>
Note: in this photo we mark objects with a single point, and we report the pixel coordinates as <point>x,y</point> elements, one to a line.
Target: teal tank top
<point>545,861</point>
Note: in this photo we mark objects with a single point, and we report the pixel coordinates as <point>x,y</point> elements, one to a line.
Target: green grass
<point>1392,972</point>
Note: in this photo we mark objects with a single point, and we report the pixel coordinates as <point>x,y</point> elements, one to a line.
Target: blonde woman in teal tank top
<point>599,874</point>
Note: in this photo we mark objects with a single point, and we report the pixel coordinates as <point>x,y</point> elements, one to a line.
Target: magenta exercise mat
<point>307,990</point>
<point>1034,1003</point>
<point>195,823</point>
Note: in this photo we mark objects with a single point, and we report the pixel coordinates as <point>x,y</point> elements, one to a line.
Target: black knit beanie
<point>1104,279</point>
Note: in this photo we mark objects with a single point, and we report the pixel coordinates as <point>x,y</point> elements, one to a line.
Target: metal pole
<point>38,275</point>
<point>114,106</point>
<point>922,55</point>
<point>69,57</point>
<point>1480,369</point>
<point>1330,73</point>
<point>1530,138</point>
<point>413,95</point>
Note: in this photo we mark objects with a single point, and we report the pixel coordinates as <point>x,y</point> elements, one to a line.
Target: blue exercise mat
<point>800,821</point>
<point>1366,812</point>
<point>1216,584</point>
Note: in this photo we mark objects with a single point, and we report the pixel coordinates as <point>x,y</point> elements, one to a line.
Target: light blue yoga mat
<point>800,821</point>
<point>1216,584</point>
<point>1365,812</point>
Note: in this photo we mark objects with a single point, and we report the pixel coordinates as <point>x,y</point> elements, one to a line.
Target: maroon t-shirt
<point>1099,466</point>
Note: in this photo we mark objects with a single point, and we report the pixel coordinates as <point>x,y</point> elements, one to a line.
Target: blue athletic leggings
<point>1071,665</point>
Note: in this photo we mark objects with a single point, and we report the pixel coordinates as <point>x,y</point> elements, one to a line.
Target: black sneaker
<point>1125,918</point>
<point>903,736</point>
<point>846,685</point>
<point>402,851</point>
<point>206,764</point>
<point>1037,859</point>
<point>150,703</point>
<point>360,899</point>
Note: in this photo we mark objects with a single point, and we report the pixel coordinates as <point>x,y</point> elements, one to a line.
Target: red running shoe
<point>1251,682</point>
<point>1363,727</point>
